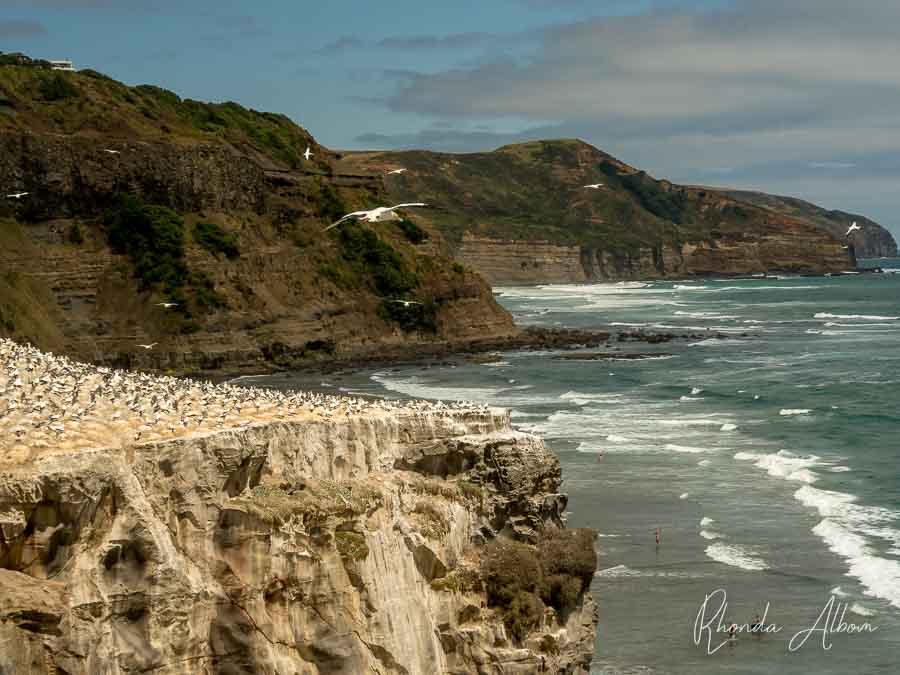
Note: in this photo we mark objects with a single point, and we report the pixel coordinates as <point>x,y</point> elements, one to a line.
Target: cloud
<point>342,43</point>
<point>21,29</point>
<point>757,81</point>
<point>452,41</point>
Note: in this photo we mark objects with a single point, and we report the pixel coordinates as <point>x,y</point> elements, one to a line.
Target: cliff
<point>873,241</point>
<point>521,214</point>
<point>342,537</point>
<point>138,197</point>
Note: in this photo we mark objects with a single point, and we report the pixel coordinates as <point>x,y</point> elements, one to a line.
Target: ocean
<point>767,458</point>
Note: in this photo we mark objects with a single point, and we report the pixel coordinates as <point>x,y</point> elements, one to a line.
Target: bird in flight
<point>307,154</point>
<point>167,305</point>
<point>150,346</point>
<point>853,228</point>
<point>594,186</point>
<point>112,152</point>
<point>395,171</point>
<point>16,195</point>
<point>406,303</point>
<point>374,215</point>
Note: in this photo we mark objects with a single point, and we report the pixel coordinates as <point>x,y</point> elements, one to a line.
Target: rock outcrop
<point>337,545</point>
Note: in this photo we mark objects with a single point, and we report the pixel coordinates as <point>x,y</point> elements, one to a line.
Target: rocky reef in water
<point>348,544</point>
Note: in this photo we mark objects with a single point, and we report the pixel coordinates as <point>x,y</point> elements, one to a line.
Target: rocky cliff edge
<point>341,544</point>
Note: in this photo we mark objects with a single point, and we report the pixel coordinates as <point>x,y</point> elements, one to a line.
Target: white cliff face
<point>315,546</point>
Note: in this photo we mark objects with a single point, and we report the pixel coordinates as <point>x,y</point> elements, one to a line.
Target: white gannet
<point>406,303</point>
<point>111,151</point>
<point>395,171</point>
<point>853,228</point>
<point>167,305</point>
<point>307,154</point>
<point>16,195</point>
<point>374,215</point>
<point>150,346</point>
<point>594,186</point>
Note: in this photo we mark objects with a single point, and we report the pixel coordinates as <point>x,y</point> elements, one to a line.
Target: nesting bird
<point>49,401</point>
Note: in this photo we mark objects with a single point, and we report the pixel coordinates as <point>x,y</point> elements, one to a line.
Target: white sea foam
<point>857,608</point>
<point>787,412</point>
<point>860,317</point>
<point>687,399</point>
<point>784,464</point>
<point>735,556</point>
<point>838,592</point>
<point>706,534</point>
<point>682,287</point>
<point>703,462</point>
<point>685,448</point>
<point>728,427</point>
<point>684,495</point>
<point>613,438</point>
<point>696,390</point>
<point>620,571</point>
<point>839,469</point>
<point>706,522</point>
<point>845,527</point>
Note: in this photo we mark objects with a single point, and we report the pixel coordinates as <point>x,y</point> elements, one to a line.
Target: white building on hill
<point>62,65</point>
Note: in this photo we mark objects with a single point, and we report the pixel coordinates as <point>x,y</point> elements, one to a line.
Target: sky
<point>796,97</point>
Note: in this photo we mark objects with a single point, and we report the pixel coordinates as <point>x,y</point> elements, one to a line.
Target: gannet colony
<point>49,401</point>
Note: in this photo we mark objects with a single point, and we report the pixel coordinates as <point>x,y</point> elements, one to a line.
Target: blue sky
<point>798,97</point>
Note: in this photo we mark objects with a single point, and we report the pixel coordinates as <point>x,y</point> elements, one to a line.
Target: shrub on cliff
<point>411,231</point>
<point>215,240</point>
<point>153,238</point>
<point>57,87</point>
<point>508,569</point>
<point>519,579</point>
<point>376,260</point>
<point>568,560</point>
<point>523,615</point>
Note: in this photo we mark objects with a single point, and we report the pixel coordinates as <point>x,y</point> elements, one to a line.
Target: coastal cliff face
<point>522,214</point>
<point>279,292</point>
<point>872,241</point>
<point>340,545</point>
<point>787,249</point>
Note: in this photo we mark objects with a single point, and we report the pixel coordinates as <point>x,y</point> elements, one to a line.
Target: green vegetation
<point>330,205</point>
<point>351,545</point>
<point>411,231</point>
<point>317,503</point>
<point>215,240</point>
<point>57,87</point>
<point>76,236</point>
<point>459,268</point>
<point>153,239</point>
<point>366,259</point>
<point>666,204</point>
<point>460,580</point>
<point>521,580</point>
<point>433,522</point>
<point>414,317</point>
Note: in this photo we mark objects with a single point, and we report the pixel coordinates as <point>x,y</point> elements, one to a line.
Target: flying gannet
<point>375,215</point>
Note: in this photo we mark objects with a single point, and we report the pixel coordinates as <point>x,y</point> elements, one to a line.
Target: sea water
<point>765,450</point>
